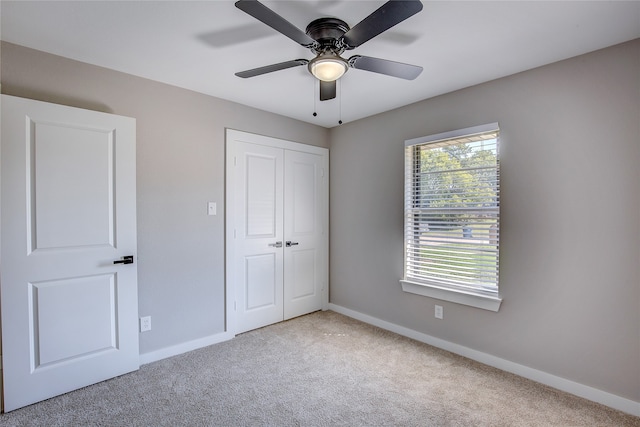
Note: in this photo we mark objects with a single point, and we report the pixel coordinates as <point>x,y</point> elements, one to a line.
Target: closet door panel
<point>303,225</point>
<point>258,256</point>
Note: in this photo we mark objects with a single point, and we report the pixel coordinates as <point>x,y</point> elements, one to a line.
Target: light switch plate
<point>439,312</point>
<point>212,208</point>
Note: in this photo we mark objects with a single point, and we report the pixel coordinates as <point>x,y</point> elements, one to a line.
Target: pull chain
<point>340,101</point>
<point>315,97</point>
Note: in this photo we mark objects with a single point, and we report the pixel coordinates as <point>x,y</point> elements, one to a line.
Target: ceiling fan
<point>328,38</point>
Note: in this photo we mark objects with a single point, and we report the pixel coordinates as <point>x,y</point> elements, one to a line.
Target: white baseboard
<point>581,390</point>
<point>163,353</point>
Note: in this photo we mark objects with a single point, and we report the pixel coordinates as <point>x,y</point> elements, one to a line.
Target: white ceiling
<point>199,45</point>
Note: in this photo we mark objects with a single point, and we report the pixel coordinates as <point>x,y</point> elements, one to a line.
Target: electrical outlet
<point>439,312</point>
<point>145,324</point>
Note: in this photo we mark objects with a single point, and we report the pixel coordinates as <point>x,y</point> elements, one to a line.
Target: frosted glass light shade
<point>328,68</point>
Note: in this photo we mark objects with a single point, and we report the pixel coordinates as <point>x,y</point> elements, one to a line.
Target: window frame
<point>470,297</point>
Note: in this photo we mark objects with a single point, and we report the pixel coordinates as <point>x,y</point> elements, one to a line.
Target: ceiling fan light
<point>328,68</point>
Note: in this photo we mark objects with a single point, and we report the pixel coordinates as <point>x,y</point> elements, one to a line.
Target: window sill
<point>460,297</point>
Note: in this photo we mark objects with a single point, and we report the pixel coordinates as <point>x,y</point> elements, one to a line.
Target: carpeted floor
<point>323,369</point>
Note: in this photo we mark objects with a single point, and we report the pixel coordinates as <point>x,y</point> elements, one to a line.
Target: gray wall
<point>180,166</point>
<point>570,224</point>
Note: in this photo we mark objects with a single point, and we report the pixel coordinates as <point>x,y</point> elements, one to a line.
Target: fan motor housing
<point>328,33</point>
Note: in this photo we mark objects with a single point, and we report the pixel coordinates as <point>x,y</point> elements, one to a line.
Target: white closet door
<point>259,235</point>
<point>277,220</point>
<point>69,314</point>
<point>304,234</point>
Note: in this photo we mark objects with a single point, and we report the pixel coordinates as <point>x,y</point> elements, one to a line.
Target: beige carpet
<point>323,369</point>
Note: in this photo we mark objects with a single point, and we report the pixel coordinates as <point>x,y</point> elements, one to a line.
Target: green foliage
<point>453,179</point>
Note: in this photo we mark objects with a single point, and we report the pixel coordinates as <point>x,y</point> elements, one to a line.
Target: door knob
<point>276,245</point>
<point>290,243</point>
<point>125,260</point>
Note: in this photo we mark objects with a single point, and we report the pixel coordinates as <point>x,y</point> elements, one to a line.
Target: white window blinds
<point>452,210</point>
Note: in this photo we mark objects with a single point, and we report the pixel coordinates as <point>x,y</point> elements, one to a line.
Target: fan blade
<point>389,14</point>
<point>271,68</point>
<point>384,66</point>
<point>327,90</point>
<point>275,21</point>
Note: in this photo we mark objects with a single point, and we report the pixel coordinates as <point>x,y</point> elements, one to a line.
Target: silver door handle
<point>290,243</point>
<point>276,245</point>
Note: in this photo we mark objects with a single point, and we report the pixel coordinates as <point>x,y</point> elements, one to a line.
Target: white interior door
<point>277,224</point>
<point>304,233</point>
<point>69,314</point>
<point>258,258</point>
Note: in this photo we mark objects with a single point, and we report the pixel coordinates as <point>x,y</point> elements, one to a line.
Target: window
<point>452,216</point>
